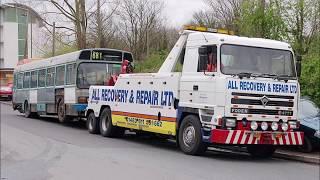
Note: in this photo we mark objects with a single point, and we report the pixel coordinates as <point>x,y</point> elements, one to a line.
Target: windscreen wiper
<point>265,75</point>
<point>284,77</point>
<point>244,74</point>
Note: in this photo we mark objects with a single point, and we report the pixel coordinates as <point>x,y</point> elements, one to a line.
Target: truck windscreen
<point>96,73</point>
<point>237,59</point>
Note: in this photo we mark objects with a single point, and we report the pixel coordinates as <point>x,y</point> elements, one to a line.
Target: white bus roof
<point>56,60</point>
<point>61,59</point>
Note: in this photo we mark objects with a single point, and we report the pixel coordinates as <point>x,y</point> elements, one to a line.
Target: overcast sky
<point>179,12</point>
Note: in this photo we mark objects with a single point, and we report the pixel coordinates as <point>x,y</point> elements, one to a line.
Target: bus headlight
<point>284,126</point>
<point>254,125</point>
<point>264,126</point>
<point>83,100</point>
<point>274,126</point>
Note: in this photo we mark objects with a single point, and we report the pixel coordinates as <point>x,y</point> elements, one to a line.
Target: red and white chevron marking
<point>248,137</point>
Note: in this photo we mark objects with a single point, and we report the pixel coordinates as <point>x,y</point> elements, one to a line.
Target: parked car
<point>309,116</point>
<point>6,91</point>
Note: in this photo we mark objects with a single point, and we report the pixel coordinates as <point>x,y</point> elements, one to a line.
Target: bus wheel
<point>27,110</point>
<point>106,127</point>
<point>92,123</point>
<point>63,118</point>
<point>190,138</point>
<point>261,151</point>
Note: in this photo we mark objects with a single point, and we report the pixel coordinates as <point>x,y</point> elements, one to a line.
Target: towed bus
<point>59,85</point>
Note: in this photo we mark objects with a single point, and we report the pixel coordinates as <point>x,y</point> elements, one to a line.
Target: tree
<point>303,19</point>
<point>76,13</point>
<point>138,18</point>
<point>259,18</point>
<point>204,18</point>
<point>101,28</point>
<point>226,12</point>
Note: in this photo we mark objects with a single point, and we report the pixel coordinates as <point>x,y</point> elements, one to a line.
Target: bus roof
<point>56,60</point>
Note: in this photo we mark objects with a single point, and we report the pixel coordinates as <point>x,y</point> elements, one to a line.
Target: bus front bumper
<point>243,137</point>
<point>80,107</point>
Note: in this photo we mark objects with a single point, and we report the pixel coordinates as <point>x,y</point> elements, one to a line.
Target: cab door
<point>198,81</point>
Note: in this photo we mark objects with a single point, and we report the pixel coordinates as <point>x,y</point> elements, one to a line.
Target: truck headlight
<point>264,126</point>
<point>293,124</point>
<point>317,134</point>
<point>284,126</point>
<point>274,126</point>
<point>254,125</point>
<point>230,122</point>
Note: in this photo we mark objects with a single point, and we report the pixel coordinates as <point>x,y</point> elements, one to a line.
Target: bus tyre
<point>92,123</point>
<point>27,110</point>
<point>261,151</point>
<point>106,127</point>
<point>190,137</point>
<point>63,118</point>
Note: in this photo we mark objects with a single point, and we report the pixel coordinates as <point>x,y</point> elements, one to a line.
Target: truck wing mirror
<point>298,65</point>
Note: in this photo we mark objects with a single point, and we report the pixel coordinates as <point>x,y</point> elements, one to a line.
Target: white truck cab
<point>231,91</point>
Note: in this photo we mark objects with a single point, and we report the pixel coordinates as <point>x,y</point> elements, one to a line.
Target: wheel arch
<point>102,108</point>
<point>183,112</point>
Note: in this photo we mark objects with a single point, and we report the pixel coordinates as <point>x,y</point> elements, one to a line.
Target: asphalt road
<point>40,149</point>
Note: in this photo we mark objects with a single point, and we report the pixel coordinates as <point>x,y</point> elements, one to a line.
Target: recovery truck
<point>232,90</point>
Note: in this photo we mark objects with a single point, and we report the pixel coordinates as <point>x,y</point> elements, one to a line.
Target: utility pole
<point>53,38</point>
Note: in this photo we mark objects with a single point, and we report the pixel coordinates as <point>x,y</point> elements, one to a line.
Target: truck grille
<point>261,99</point>
<point>258,102</point>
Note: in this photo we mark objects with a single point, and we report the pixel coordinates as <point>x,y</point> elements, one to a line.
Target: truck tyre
<point>106,127</point>
<point>63,118</point>
<point>307,145</point>
<point>261,151</point>
<point>190,137</point>
<point>92,123</point>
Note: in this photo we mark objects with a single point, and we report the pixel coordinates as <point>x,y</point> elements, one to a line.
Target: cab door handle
<point>195,87</point>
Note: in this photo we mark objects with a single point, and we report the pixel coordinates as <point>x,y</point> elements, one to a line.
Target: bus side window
<point>34,79</point>
<point>42,78</point>
<point>70,74</point>
<point>60,75</point>
<point>20,81</point>
<point>50,76</point>
<point>26,80</point>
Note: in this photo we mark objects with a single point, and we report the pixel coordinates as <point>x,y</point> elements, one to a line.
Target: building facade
<point>19,26</point>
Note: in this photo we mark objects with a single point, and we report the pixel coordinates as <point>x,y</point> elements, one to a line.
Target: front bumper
<point>243,137</point>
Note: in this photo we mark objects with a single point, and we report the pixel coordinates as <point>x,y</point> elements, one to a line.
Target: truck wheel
<point>261,151</point>
<point>106,127</point>
<point>307,145</point>
<point>92,123</point>
<point>63,118</point>
<point>190,137</point>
